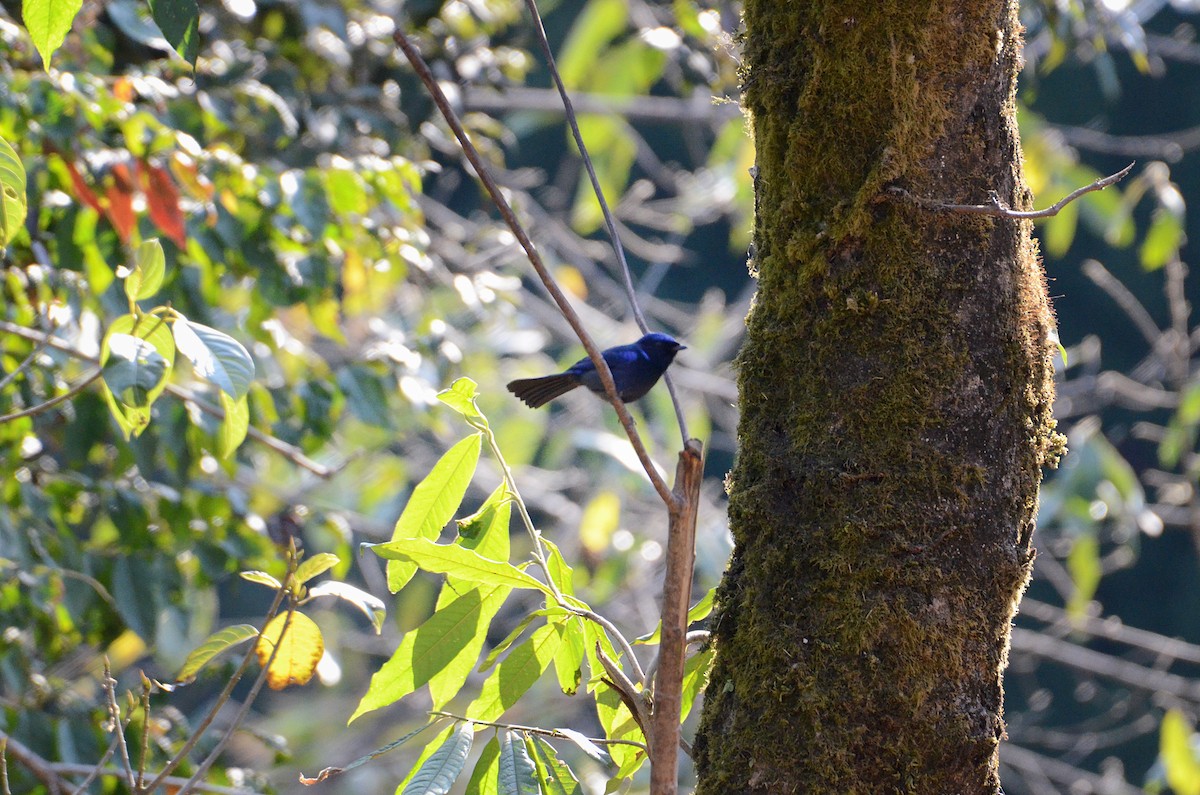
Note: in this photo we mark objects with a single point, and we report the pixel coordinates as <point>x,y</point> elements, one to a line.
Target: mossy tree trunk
<point>895,395</point>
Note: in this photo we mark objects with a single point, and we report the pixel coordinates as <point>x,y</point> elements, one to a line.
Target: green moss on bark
<point>895,395</point>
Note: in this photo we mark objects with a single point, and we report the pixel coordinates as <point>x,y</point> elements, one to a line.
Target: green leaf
<point>371,606</point>
<point>150,266</point>
<point>436,776</point>
<point>554,776</point>
<point>1163,240</point>
<point>262,578</point>
<point>517,773</point>
<point>1058,231</point>
<point>461,397</point>
<point>215,356</point>
<point>438,645</point>
<point>1178,758</point>
<point>486,530</point>
<point>212,646</point>
<point>13,200</point>
<point>487,770</point>
<point>179,21</point>
<point>516,674</point>
<point>568,662</point>
<point>1083,563</point>
<point>234,426</point>
<point>599,23</point>
<point>48,22</point>
<point>695,677</point>
<point>133,368</point>
<point>317,564</point>
<point>136,377</point>
<point>454,560</point>
<point>434,502</point>
<point>560,572</point>
<point>698,611</point>
<point>516,633</point>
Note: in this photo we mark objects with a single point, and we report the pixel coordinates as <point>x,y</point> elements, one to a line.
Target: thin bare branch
<point>41,408</point>
<point>555,733</point>
<point>1124,298</point>
<point>226,691</point>
<point>41,769</point>
<point>998,208</point>
<point>1128,673</point>
<point>506,212</point>
<point>291,452</point>
<point>27,361</point>
<point>114,714</point>
<point>71,769</point>
<point>609,222</point>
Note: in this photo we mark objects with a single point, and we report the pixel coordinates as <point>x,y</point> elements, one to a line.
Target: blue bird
<point>635,369</point>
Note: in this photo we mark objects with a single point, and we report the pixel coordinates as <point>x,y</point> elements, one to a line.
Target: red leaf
<point>162,200</point>
<point>119,195</point>
<point>82,191</point>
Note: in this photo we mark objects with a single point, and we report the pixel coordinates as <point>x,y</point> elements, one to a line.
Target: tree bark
<point>896,389</point>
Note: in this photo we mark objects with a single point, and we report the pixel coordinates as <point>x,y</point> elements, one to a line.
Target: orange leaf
<point>300,649</point>
<point>163,202</point>
<point>123,89</point>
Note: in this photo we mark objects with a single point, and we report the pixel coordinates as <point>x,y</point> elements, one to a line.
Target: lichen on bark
<point>895,390</point>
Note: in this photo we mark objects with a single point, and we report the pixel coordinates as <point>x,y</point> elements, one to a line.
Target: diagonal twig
<point>506,212</point>
<point>609,222</point>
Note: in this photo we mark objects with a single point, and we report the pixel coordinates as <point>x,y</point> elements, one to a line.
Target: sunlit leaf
<point>234,425</point>
<point>516,674</point>
<point>1163,240</point>
<point>13,201</point>
<point>455,560</point>
<point>212,646</point>
<point>460,396</point>
<point>300,649</point>
<point>695,676</point>
<point>554,776</point>
<point>1177,753</point>
<point>150,265</point>
<point>216,357</point>
<point>262,578</point>
<point>48,22</point>
<point>371,606</point>
<point>432,648</point>
<point>313,566</point>
<point>487,770</point>
<point>697,612</point>
<point>433,503</point>
<point>568,662</point>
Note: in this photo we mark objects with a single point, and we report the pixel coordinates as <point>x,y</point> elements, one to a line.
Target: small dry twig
<point>1000,209</point>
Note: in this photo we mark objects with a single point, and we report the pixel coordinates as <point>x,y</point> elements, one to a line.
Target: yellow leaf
<point>299,650</point>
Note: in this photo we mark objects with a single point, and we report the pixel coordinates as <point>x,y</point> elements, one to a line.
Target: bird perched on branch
<point>635,369</point>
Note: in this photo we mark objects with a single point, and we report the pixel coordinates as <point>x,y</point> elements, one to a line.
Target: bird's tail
<point>537,392</point>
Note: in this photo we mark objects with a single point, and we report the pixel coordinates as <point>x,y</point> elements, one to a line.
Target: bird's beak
<point>679,347</point>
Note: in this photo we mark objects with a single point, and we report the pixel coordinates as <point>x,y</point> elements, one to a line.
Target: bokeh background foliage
<point>310,205</point>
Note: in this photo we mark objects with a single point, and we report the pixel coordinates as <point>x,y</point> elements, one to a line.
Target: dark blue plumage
<point>635,369</point>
